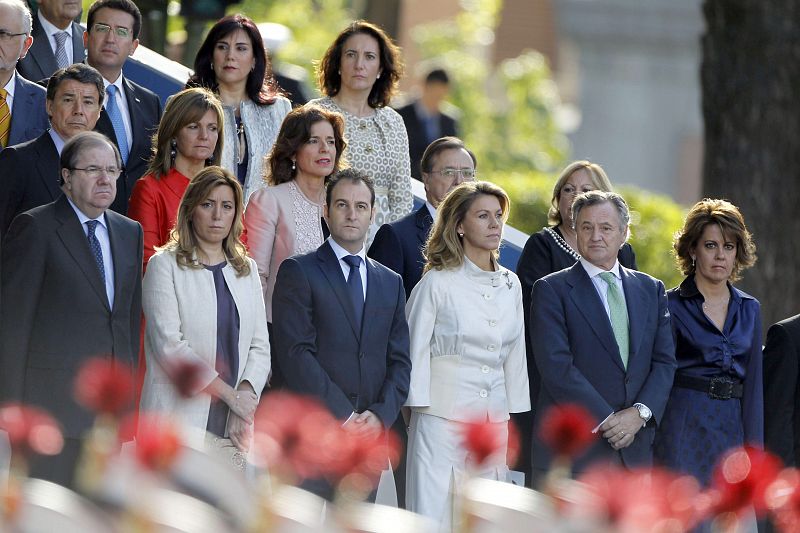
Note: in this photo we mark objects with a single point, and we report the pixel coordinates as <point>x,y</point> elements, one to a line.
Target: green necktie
<point>619,315</point>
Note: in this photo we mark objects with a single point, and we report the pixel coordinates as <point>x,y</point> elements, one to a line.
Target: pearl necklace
<point>562,243</point>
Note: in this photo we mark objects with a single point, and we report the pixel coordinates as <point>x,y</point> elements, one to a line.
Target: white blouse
<point>468,345</point>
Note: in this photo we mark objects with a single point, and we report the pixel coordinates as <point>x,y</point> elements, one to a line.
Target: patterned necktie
<point>619,315</point>
<point>116,121</point>
<point>61,50</point>
<point>354,285</point>
<point>5,119</point>
<point>94,246</point>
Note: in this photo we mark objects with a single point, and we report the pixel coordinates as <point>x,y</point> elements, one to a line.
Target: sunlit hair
<point>80,72</point>
<point>186,107</point>
<point>182,239</point>
<point>596,173</point>
<point>591,198</point>
<point>25,14</point>
<point>261,87</point>
<point>295,132</point>
<point>730,222</point>
<point>353,176</point>
<point>440,145</point>
<point>120,5</point>
<point>391,64</point>
<point>445,248</point>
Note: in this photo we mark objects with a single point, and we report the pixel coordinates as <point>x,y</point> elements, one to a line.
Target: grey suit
<point>40,62</point>
<point>28,113</point>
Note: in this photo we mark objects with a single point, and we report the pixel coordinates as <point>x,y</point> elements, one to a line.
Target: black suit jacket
<point>28,113</point>
<point>40,62</point>
<point>324,353</point>
<point>398,245</point>
<point>55,311</point>
<point>418,138</point>
<point>145,112</point>
<point>782,390</point>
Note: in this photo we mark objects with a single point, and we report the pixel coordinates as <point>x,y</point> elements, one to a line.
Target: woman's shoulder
<point>388,114</point>
<point>326,102</point>
<point>164,258</point>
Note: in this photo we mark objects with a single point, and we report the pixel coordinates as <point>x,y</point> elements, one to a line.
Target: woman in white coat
<point>467,349</point>
<point>203,303</point>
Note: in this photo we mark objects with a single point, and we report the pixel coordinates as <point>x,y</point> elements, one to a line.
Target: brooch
<point>509,283</point>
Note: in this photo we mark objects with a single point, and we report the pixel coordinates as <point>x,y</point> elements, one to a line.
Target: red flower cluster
<point>104,386</point>
<point>741,480</point>
<point>783,499</point>
<point>30,430</point>
<point>567,430</point>
<point>185,375</point>
<point>158,443</point>
<point>483,439</point>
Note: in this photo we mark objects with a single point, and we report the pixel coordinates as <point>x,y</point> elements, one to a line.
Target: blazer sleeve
<point>421,316</point>
<point>627,257</point>
<point>295,340</point>
<point>753,396</point>
<point>386,249</point>
<point>515,368</point>
<point>143,208</point>
<point>258,364</point>
<point>780,393</point>
<point>260,222</point>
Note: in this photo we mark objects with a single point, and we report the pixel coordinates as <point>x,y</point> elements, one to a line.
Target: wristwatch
<point>644,412</point>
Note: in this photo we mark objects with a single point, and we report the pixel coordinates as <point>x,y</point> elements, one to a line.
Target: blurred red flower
<point>30,430</point>
<point>104,386</point>
<point>185,375</point>
<point>367,456</point>
<point>741,479</point>
<point>482,439</point>
<point>567,430</point>
<point>783,499</point>
<point>158,443</point>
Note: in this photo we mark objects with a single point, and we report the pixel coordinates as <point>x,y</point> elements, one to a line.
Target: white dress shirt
<point>9,87</point>
<point>57,140</point>
<point>122,105</point>
<point>50,30</point>
<point>340,253</point>
<point>101,232</point>
<point>600,284</point>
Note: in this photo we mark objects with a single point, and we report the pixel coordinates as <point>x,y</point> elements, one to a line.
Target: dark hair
<point>440,145</point>
<point>295,131</point>
<point>261,87</point>
<point>79,143</point>
<point>121,5</point>
<point>437,75</point>
<point>81,73</point>
<point>330,80</point>
<point>354,176</point>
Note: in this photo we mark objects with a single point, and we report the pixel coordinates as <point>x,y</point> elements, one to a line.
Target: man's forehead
<point>76,88</point>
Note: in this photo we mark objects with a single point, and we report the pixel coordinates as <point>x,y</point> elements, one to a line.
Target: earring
<point>212,65</point>
<point>173,152</point>
<point>378,76</point>
<point>692,262</point>
<point>461,235</point>
<point>294,164</point>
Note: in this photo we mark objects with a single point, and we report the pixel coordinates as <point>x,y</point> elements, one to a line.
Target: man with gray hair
<point>602,339</point>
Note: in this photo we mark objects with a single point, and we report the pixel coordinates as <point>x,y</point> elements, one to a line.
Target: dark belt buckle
<point>721,389</point>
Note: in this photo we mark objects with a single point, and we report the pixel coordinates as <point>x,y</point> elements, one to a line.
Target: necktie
<point>619,315</point>
<point>5,119</point>
<point>94,246</point>
<point>354,285</point>
<point>61,51</point>
<point>116,121</point>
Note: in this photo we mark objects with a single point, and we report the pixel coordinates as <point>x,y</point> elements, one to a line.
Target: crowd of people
<point>276,248</point>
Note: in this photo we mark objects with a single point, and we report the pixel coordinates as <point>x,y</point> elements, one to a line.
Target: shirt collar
<point>51,29</point>
<point>82,216</point>
<point>341,252</point>
<point>431,209</point>
<point>9,87</point>
<point>57,140</point>
<point>117,83</point>
<point>688,289</point>
<point>594,270</point>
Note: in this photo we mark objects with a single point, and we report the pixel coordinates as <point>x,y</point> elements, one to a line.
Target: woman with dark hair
<point>202,300</point>
<point>358,75</point>
<point>233,64</point>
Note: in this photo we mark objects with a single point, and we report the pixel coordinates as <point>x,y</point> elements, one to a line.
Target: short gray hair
<point>591,198</point>
<point>24,12</point>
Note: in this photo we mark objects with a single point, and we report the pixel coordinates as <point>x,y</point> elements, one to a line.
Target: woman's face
<point>578,182</point>
<point>317,156</point>
<point>233,58</point>
<point>213,218</point>
<point>360,62</point>
<point>483,224</point>
<point>197,140</point>
<point>714,255</point>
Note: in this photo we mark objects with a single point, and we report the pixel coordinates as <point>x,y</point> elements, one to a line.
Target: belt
<point>718,387</point>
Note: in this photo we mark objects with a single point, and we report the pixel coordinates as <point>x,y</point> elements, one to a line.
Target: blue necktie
<point>354,285</point>
<point>94,246</point>
<point>116,121</point>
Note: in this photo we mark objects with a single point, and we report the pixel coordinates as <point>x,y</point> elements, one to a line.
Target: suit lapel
<point>47,164</point>
<point>635,300</point>
<point>78,52</point>
<point>22,108</point>
<point>374,290</point>
<point>333,273</point>
<point>121,244</point>
<point>424,223</point>
<point>133,105</point>
<point>40,50</point>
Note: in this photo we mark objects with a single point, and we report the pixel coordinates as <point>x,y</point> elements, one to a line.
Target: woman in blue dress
<point>716,401</point>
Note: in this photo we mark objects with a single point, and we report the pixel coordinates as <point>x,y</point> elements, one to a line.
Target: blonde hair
<point>444,248</point>
<point>596,174</point>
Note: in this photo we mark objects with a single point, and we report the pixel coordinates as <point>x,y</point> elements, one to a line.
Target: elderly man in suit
<point>22,112</point>
<point>446,164</point>
<point>782,390</point>
<point>339,326</point>
<point>57,39</point>
<point>29,171</point>
<point>71,290</point>
<point>601,338</point>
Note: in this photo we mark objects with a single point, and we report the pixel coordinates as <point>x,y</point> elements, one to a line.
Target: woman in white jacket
<point>467,348</point>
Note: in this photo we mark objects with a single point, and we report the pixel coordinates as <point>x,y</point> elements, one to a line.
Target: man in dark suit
<point>782,390</point>
<point>601,338</point>
<point>130,112</point>
<point>22,109</point>
<point>445,164</point>
<point>57,40</point>
<point>339,326</point>
<point>71,290</point>
<point>29,171</point>
<point>425,118</point>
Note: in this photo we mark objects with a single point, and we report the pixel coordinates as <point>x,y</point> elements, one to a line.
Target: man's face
<point>60,12</point>
<point>600,234</point>
<point>74,108</point>
<point>106,47</point>
<point>447,173</point>
<point>349,214</point>
<point>92,184</point>
<point>17,46</point>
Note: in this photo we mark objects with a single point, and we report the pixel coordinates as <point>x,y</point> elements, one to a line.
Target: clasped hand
<point>621,428</point>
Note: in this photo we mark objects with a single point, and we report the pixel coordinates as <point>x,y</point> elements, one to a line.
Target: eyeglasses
<point>119,31</point>
<point>6,37</point>
<point>466,173</point>
<point>95,172</point>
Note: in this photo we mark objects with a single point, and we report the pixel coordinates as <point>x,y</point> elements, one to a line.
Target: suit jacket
<point>418,137</point>
<point>782,390</point>
<point>40,62</point>
<point>28,178</point>
<point>145,112</point>
<point>324,353</point>
<point>28,113</point>
<point>55,312</point>
<point>398,245</point>
<point>579,360</point>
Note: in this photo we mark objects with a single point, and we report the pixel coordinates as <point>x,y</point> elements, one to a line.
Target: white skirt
<point>438,465</point>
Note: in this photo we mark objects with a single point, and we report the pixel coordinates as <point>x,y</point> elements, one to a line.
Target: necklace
<point>720,303</point>
<point>562,243</point>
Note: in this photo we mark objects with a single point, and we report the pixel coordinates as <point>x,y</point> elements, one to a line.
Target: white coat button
<point>485,369</point>
<point>493,323</point>
<point>484,394</point>
<point>487,296</point>
<point>491,347</point>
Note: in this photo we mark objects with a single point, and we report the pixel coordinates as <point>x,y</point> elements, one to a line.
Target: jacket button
<point>491,347</point>
<point>484,393</point>
<point>361,355</point>
<point>485,369</point>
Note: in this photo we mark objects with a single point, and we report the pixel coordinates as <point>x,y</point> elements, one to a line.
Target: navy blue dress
<point>696,429</point>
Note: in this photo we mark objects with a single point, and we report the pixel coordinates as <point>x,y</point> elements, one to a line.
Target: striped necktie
<point>5,119</point>
<point>61,51</point>
<point>619,316</point>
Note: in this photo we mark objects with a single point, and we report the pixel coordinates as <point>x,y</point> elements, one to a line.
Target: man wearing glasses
<point>57,39</point>
<point>131,113</point>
